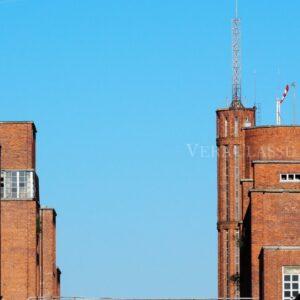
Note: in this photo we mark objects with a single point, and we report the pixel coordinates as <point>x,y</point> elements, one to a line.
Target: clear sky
<point>117,89</point>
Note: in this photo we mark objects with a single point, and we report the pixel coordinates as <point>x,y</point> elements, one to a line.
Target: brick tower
<point>230,143</point>
<point>258,200</point>
<point>27,244</point>
<point>231,161</point>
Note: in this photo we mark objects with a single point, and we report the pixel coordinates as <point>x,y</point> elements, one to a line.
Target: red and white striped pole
<point>278,104</point>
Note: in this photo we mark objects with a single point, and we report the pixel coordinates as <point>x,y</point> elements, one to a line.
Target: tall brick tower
<point>27,243</point>
<point>231,161</point>
<point>230,143</point>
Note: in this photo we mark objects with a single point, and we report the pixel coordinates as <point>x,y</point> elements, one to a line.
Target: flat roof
<point>19,122</point>
<point>48,208</point>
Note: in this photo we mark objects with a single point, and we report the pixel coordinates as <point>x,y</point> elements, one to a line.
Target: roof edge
<point>276,161</point>
<point>274,190</point>
<point>230,109</point>
<point>20,122</point>
<point>49,208</point>
<point>271,126</point>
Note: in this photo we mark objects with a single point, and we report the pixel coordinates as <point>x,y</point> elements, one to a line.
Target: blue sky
<point>117,90</point>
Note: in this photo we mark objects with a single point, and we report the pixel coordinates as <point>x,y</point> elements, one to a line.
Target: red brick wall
<point>262,220</point>
<point>267,175</point>
<point>230,224</point>
<point>271,143</point>
<point>18,249</point>
<point>272,262</point>
<point>274,219</point>
<point>18,145</point>
<point>48,253</point>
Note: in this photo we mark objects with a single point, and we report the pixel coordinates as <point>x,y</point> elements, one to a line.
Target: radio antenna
<point>236,61</point>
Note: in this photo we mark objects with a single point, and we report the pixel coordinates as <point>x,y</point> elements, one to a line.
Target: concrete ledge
<point>276,161</point>
<point>287,248</point>
<point>247,180</point>
<point>274,191</point>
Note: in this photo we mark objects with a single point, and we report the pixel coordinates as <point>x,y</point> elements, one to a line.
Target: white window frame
<point>287,180</point>
<point>30,183</point>
<point>291,273</point>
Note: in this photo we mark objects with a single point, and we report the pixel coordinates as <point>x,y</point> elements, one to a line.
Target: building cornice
<point>276,161</point>
<point>274,190</point>
<point>287,248</point>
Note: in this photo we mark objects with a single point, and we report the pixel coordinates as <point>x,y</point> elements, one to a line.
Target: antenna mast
<point>236,60</point>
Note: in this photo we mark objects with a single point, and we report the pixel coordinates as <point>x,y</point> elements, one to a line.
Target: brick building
<point>258,206</point>
<point>28,241</point>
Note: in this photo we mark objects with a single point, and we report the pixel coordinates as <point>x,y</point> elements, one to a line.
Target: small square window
<point>287,286</point>
<point>295,278</point>
<point>287,277</point>
<point>295,286</point>
<point>283,177</point>
<point>297,177</point>
<point>291,176</point>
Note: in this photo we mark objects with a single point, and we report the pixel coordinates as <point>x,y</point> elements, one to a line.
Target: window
<point>226,239</point>
<point>291,282</point>
<point>227,264</point>
<point>227,182</point>
<point>237,181</point>
<point>290,177</point>
<point>236,127</point>
<point>237,251</point>
<point>17,185</point>
<point>237,262</point>
<point>226,128</point>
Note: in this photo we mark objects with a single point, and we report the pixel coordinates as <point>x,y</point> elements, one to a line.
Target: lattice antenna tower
<point>236,60</point>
